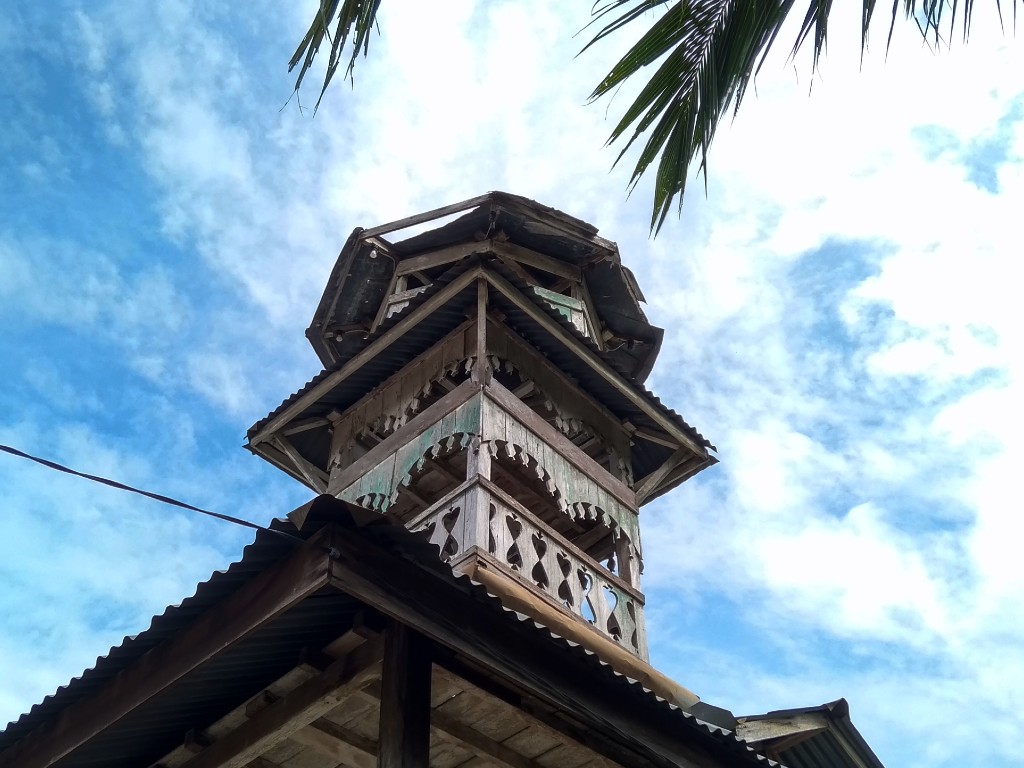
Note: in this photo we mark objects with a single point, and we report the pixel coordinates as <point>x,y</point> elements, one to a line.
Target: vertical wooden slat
<point>405,699</point>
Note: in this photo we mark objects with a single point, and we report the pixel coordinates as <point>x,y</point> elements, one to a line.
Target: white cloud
<point>841,319</point>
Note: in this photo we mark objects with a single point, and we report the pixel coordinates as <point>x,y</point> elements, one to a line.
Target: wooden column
<point>482,369</point>
<point>405,699</point>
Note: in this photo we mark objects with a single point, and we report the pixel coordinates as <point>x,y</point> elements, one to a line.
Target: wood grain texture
<point>405,699</point>
<point>257,602</point>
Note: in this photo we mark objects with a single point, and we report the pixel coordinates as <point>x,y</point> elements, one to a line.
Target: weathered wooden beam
<point>460,676</point>
<point>278,588</point>
<point>412,429</point>
<point>415,497</point>
<point>441,256</point>
<point>481,745</point>
<point>315,477</point>
<point>306,424</point>
<point>524,389</point>
<point>403,326</point>
<point>293,711</point>
<point>683,471</point>
<point>593,361</point>
<point>518,655</point>
<point>419,218</point>
<point>339,743</point>
<point>405,699</point>
<point>655,437</point>
<point>519,271</point>
<point>649,483</point>
<point>425,279</point>
<point>539,716</point>
<point>273,454</point>
<point>492,751</point>
<point>481,369</point>
<point>792,729</point>
<point>559,442</point>
<point>537,260</point>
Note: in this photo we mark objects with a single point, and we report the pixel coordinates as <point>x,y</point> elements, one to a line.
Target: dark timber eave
<point>370,564</point>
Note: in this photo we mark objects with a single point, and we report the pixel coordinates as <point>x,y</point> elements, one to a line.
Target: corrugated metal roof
<point>314,444</point>
<point>224,682</point>
<point>840,745</point>
<point>233,676</point>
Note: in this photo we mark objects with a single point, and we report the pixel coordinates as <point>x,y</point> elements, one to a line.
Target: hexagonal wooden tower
<point>483,383</point>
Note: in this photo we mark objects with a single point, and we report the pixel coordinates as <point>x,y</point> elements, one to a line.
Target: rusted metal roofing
<point>233,676</point>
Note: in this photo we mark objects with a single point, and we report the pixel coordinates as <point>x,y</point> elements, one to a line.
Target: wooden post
<point>627,558</point>
<point>405,699</point>
<point>482,369</point>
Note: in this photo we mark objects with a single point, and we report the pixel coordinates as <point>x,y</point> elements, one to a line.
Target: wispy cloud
<point>841,320</point>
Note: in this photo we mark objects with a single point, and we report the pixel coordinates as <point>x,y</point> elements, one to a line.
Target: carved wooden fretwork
<point>505,433</point>
<point>395,415</point>
<point>573,407</point>
<point>381,493</point>
<point>517,541</point>
<point>564,573</point>
<point>389,407</point>
<point>566,417</point>
<point>562,528</point>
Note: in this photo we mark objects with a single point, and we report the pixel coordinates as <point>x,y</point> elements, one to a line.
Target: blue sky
<point>841,311</point>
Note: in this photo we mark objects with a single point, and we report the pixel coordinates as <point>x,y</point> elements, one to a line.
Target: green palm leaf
<point>355,20</point>
<point>703,54</point>
<point>708,52</point>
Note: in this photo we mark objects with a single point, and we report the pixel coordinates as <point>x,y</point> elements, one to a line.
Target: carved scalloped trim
<point>380,502</point>
<point>396,419</point>
<point>567,423</point>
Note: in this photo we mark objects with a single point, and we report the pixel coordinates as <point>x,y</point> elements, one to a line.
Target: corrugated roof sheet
<point>233,676</point>
<point>433,327</point>
<point>839,746</point>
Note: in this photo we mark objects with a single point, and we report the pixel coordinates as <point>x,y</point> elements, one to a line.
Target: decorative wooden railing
<point>532,552</point>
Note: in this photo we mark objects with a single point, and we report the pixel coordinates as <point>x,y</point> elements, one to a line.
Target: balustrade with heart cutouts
<point>525,547</point>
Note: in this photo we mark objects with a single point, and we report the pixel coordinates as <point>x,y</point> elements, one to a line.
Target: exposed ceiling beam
<point>339,743</point>
<point>295,710</point>
<point>478,743</point>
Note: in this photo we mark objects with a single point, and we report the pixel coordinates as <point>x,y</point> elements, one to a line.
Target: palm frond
<point>355,21</point>
<point>704,54</point>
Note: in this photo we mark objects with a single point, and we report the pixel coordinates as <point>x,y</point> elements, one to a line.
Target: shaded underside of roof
<point>225,681</point>
<point>239,672</point>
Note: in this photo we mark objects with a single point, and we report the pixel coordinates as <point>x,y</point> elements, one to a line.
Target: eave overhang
<point>219,648</point>
<point>362,274</point>
<point>428,318</point>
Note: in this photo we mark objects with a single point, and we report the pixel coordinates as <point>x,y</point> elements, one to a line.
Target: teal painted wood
<point>577,494</point>
<point>378,488</point>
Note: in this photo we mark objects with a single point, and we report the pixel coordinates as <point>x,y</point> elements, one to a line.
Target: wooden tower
<point>483,384</point>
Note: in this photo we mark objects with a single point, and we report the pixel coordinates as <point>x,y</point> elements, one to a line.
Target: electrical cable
<point>148,494</point>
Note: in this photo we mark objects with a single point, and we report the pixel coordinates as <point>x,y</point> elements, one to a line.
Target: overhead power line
<point>148,494</point>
